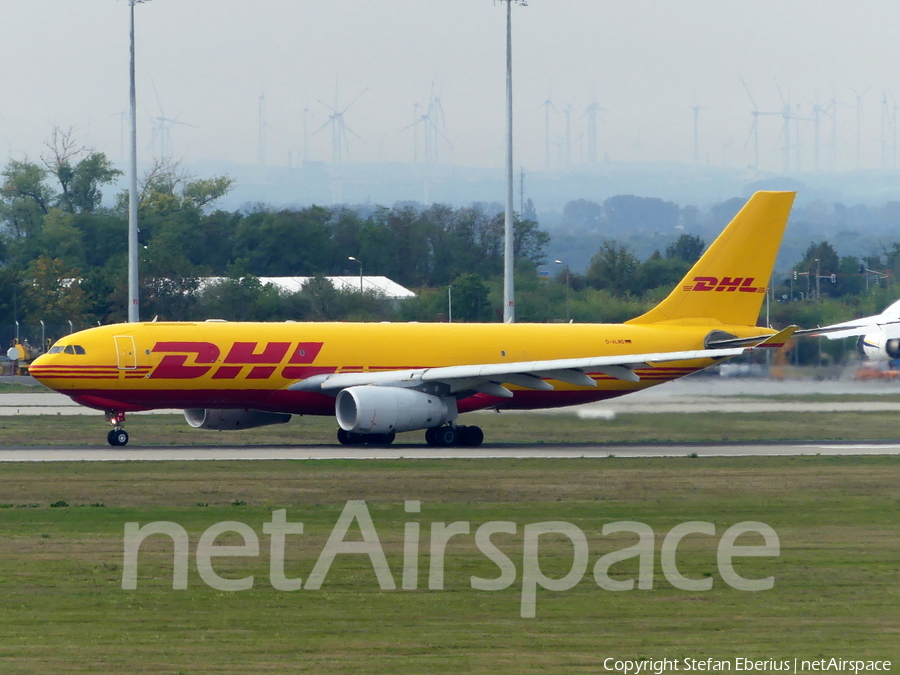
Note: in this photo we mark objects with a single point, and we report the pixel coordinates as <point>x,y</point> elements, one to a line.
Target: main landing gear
<point>352,438</point>
<point>447,436</point>
<point>117,436</point>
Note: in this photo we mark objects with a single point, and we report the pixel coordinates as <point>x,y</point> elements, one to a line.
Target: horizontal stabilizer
<point>769,340</point>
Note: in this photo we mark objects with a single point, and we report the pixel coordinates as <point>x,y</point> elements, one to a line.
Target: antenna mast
<point>509,303</point>
<point>133,300</point>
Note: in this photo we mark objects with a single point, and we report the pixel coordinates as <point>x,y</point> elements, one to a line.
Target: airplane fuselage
<point>213,364</point>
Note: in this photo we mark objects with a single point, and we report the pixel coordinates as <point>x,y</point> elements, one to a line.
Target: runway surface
<point>397,452</point>
<point>689,396</point>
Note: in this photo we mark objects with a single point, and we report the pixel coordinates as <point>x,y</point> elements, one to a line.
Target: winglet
<point>778,340</point>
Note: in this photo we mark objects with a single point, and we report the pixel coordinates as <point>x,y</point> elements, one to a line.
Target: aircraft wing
<point>490,377</point>
<point>775,341</point>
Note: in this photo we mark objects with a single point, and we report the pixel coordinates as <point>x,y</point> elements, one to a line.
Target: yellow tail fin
<point>728,283</point>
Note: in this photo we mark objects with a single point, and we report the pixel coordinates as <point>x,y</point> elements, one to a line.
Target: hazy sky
<point>647,63</point>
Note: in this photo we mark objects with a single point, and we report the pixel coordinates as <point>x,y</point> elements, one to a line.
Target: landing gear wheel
<point>353,438</point>
<point>446,437</point>
<point>117,437</point>
<point>380,439</point>
<point>431,436</point>
<point>470,437</point>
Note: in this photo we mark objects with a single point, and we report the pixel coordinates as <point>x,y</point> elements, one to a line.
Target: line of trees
<point>63,256</point>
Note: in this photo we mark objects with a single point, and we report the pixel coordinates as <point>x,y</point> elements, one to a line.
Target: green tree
<point>60,238</point>
<point>25,196</point>
<point>529,242</point>
<point>629,214</point>
<point>820,258</point>
<point>169,281</point>
<point>615,268</point>
<point>582,215</point>
<point>470,299</point>
<point>167,189</point>
<point>286,243</point>
<point>80,171</point>
<point>659,272</point>
<point>242,298</point>
<point>688,247</point>
<point>89,175</point>
<point>51,290</point>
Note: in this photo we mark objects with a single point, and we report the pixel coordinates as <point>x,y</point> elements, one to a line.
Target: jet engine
<point>230,420</point>
<point>879,346</point>
<point>371,409</point>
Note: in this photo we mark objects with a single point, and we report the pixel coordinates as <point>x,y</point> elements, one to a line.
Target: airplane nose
<point>37,368</point>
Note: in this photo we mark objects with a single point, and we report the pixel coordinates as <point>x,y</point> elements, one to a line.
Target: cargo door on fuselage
<point>126,354</point>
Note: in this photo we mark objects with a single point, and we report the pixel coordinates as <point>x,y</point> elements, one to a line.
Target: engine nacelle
<point>879,346</point>
<point>230,420</point>
<point>369,409</point>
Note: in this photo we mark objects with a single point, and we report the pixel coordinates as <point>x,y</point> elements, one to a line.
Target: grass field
<point>169,430</point>
<point>64,611</point>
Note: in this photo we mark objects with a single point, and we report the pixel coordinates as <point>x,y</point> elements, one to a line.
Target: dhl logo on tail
<point>742,284</point>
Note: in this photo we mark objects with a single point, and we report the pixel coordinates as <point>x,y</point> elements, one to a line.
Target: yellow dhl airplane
<point>379,379</point>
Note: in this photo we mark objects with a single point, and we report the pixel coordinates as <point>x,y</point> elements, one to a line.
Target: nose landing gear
<point>117,436</point>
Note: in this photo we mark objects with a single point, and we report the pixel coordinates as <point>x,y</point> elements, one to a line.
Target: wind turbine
<point>818,110</point>
<point>592,111</point>
<point>437,122</point>
<point>831,110</point>
<point>339,131</point>
<point>567,111</point>
<point>161,138</point>
<point>425,120</point>
<point>754,127</point>
<point>339,128</point>
<point>417,120</point>
<point>696,110</point>
<point>261,118</point>
<point>787,115</point>
<point>888,127</point>
<point>305,114</point>
<point>547,106</point>
<point>431,121</point>
<point>894,133</point>
<point>859,127</point>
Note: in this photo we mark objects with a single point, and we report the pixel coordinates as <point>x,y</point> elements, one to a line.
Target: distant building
<point>380,285</point>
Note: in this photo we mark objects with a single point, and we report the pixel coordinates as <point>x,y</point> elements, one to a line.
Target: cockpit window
<point>67,349</point>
